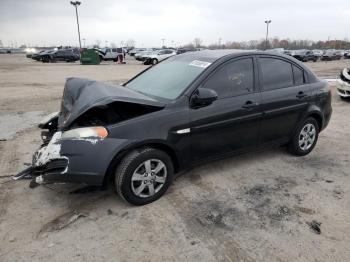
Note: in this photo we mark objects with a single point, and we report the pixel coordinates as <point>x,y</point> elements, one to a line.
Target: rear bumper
<point>76,161</point>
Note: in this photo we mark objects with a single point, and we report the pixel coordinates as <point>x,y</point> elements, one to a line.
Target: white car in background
<point>343,84</point>
<point>107,54</point>
<point>157,56</point>
<point>140,55</point>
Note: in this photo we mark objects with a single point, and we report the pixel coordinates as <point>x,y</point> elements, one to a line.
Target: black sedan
<point>189,109</point>
<point>68,55</point>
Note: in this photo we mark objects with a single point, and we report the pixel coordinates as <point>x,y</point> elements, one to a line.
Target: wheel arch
<point>154,144</point>
<point>318,117</point>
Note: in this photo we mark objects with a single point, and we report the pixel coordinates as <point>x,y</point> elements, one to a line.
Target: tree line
<point>287,44</point>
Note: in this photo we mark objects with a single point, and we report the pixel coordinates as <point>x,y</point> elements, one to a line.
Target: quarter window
<point>298,76</point>
<point>276,73</point>
<point>233,78</point>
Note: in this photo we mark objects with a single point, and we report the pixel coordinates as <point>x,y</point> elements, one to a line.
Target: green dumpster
<point>90,57</point>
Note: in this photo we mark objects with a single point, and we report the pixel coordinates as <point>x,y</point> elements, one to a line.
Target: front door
<point>231,122</point>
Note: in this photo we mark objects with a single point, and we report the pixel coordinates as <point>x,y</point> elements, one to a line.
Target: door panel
<point>281,113</point>
<point>225,126</point>
<point>230,123</point>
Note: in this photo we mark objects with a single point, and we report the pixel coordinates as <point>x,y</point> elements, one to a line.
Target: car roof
<point>213,55</point>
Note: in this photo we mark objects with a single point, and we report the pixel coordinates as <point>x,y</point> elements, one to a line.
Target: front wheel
<point>143,176</point>
<point>305,137</point>
<point>154,61</point>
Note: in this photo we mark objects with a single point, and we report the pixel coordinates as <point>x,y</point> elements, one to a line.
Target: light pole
<point>267,22</point>
<point>76,4</point>
<point>163,42</point>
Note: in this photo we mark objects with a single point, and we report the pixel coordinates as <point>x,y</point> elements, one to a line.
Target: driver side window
<point>233,78</point>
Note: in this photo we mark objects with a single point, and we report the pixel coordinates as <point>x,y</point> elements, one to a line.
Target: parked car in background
<point>288,52</point>
<point>338,54</point>
<point>158,56</point>
<point>110,54</point>
<point>347,54</point>
<point>343,84</point>
<point>140,56</point>
<point>68,55</point>
<point>329,55</point>
<point>318,53</point>
<point>305,55</point>
<point>37,56</point>
<point>135,51</point>
<point>185,50</point>
<point>190,109</point>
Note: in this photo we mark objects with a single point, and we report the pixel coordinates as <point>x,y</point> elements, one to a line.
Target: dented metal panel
<point>80,95</point>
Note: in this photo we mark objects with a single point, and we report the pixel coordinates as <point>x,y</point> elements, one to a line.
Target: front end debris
<point>343,84</point>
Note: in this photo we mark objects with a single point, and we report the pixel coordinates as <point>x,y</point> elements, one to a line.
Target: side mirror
<point>203,97</point>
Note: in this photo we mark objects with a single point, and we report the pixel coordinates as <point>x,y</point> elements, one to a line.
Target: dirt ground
<point>254,207</point>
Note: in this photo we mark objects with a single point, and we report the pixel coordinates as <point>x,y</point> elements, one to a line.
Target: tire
<point>299,147</point>
<point>46,59</point>
<point>154,61</point>
<point>136,189</point>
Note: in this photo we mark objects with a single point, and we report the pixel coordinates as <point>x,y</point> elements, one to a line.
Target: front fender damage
<point>85,104</point>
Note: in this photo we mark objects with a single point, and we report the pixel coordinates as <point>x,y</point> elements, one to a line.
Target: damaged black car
<point>189,109</point>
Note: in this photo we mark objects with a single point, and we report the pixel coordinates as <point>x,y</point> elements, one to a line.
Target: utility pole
<point>76,4</point>
<point>267,22</point>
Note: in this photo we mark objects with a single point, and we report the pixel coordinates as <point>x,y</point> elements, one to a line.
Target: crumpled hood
<point>81,94</point>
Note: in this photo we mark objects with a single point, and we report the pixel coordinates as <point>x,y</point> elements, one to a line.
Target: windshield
<point>166,80</point>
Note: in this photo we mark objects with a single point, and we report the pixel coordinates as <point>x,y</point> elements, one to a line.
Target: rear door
<point>108,53</point>
<point>231,122</point>
<point>283,98</point>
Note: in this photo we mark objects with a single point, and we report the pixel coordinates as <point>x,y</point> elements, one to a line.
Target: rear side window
<point>233,78</point>
<point>298,76</point>
<point>276,73</point>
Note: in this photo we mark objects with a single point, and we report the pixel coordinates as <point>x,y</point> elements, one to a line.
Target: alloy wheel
<point>307,136</point>
<point>148,178</point>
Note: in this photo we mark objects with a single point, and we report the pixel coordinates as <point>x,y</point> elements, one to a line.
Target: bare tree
<point>130,42</point>
<point>197,42</point>
<point>98,43</point>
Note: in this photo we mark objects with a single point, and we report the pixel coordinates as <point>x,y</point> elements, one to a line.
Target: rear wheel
<point>143,176</point>
<point>305,137</point>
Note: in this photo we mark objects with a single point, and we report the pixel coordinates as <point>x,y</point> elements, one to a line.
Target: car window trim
<point>302,71</point>
<point>218,67</point>
<point>279,58</point>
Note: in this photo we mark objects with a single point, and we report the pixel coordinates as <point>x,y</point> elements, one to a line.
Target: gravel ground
<point>259,206</point>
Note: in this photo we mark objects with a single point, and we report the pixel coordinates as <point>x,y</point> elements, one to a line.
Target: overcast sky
<point>52,22</point>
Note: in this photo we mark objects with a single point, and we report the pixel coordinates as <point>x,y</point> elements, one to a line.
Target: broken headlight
<point>85,132</point>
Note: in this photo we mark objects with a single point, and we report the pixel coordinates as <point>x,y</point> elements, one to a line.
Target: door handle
<point>250,105</point>
<point>301,94</point>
